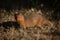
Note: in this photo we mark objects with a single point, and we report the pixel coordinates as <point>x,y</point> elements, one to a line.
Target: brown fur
<point>32,20</point>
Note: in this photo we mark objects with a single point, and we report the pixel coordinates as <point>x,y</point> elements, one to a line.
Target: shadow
<point>55,33</point>
<point>0,24</point>
<point>9,24</point>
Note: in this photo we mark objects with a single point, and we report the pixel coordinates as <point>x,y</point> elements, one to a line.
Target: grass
<point>32,33</point>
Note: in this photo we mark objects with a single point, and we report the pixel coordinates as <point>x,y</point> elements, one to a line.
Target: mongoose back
<point>32,20</point>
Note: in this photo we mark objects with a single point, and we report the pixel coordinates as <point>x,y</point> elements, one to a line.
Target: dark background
<point>9,4</point>
<point>18,4</point>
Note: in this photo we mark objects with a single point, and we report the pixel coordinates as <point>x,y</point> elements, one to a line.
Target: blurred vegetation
<point>50,10</point>
<point>32,33</point>
<point>52,6</point>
